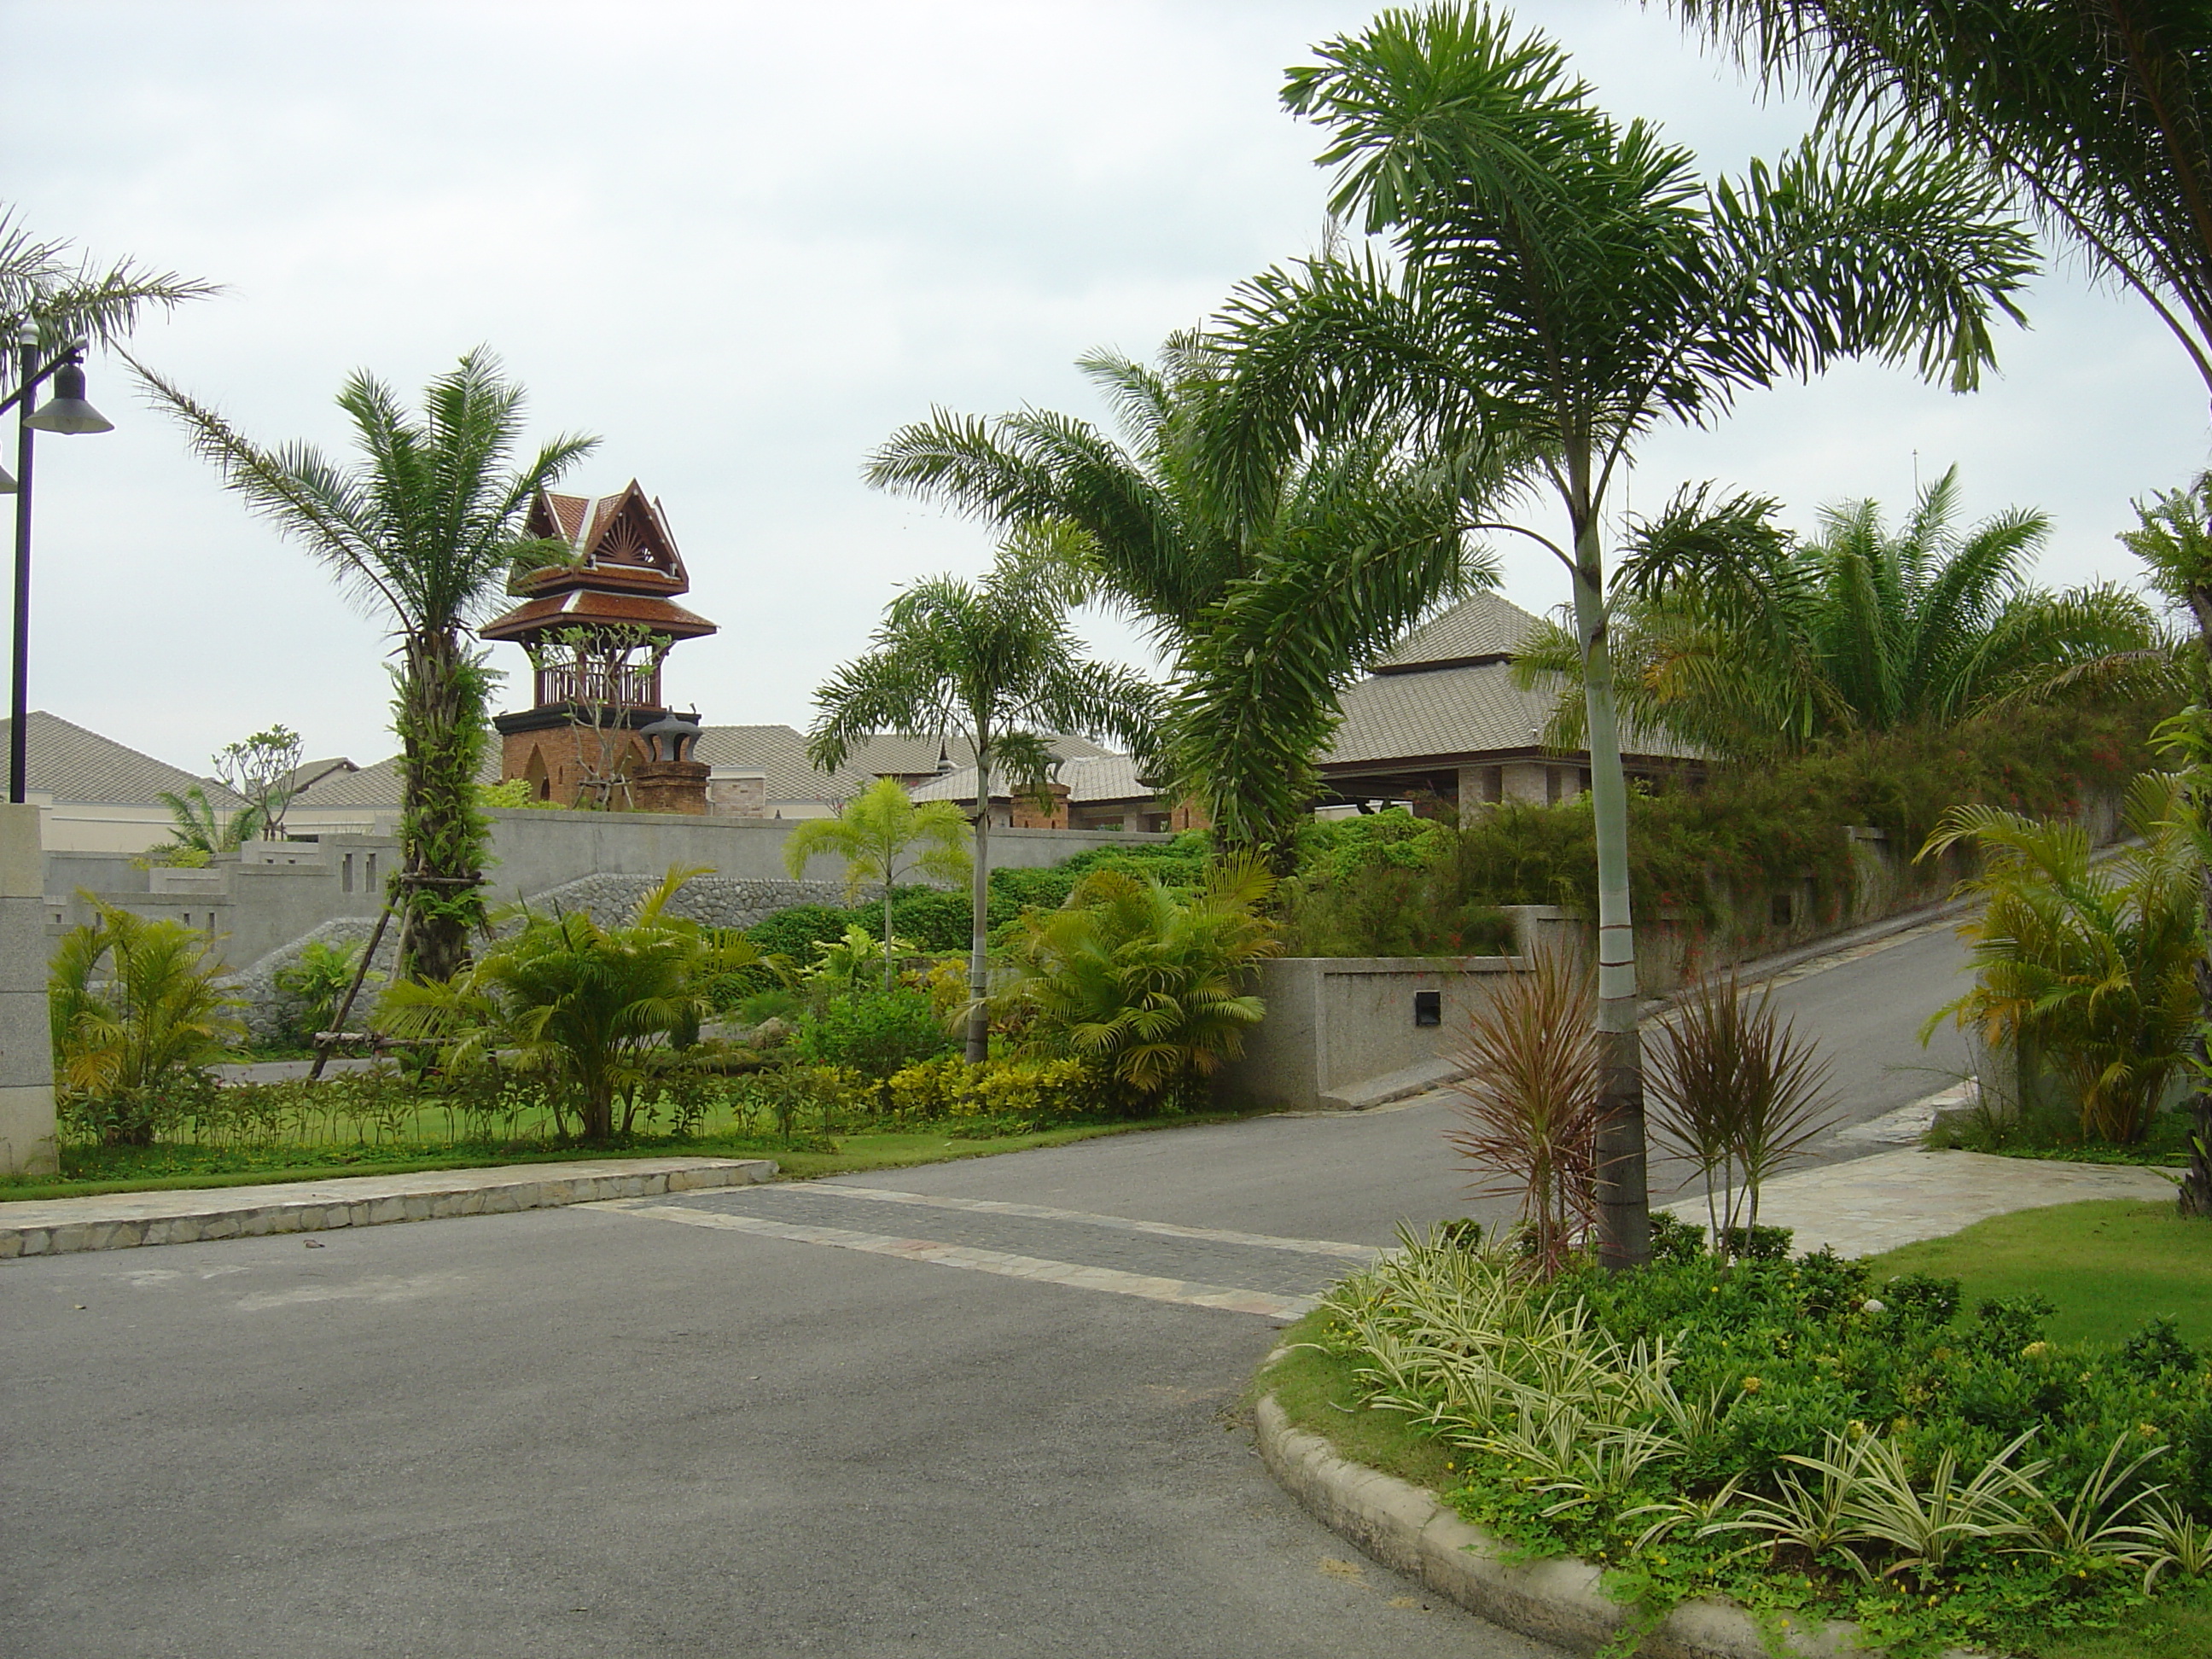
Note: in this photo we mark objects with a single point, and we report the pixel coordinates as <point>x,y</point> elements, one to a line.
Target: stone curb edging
<point>1560,1600</point>
<point>122,1221</point>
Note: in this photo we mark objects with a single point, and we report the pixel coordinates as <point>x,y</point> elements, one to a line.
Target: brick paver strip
<point>118,1221</point>
<point>1153,1288</point>
<point>1362,1254</point>
<point>1260,1265</point>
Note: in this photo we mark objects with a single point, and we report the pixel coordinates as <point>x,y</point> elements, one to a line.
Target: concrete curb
<point>122,1221</point>
<point>1561,1600</point>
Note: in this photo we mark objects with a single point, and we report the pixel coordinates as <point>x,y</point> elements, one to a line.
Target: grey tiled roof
<point>72,764</point>
<point>1088,778</point>
<point>1484,627</point>
<point>779,753</point>
<point>1440,712</point>
<point>377,784</point>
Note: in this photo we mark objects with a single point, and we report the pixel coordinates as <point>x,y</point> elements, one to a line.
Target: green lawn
<point>2107,1266</point>
<point>89,1170</point>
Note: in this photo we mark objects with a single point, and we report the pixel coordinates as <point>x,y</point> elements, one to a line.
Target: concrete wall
<point>274,894</point>
<point>1340,1033</point>
<point>27,1146</point>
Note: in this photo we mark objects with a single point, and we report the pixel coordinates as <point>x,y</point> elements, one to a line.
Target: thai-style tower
<point>597,625</point>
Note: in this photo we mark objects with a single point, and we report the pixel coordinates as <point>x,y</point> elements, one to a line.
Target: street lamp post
<point>66,411</point>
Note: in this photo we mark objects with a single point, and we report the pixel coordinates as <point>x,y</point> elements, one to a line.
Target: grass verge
<point>2106,1265</point>
<point>189,1168</point>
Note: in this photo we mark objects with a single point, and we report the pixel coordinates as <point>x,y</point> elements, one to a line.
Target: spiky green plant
<point>136,1006</point>
<point>1148,984</point>
<point>882,835</point>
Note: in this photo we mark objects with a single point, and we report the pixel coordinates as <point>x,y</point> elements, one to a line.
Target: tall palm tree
<point>422,532</point>
<point>1563,285</point>
<point>2098,111</point>
<point>68,297</point>
<point>1267,601</point>
<point>992,662</point>
<point>1739,636</point>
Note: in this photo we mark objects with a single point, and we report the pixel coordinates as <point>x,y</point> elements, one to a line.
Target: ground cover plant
<point>1807,1436</point>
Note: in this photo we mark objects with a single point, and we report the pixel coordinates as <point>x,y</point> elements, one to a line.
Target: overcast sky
<point>742,243</point>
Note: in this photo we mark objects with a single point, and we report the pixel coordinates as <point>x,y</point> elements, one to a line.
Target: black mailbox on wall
<point>1428,1007</point>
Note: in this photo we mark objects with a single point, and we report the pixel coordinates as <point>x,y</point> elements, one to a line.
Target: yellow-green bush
<point>1035,1091</point>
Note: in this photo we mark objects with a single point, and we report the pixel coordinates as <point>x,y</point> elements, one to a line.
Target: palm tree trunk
<point>979,983</point>
<point>442,831</point>
<point>1624,1209</point>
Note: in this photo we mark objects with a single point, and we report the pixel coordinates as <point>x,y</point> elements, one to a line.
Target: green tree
<point>259,770</point>
<point>601,1014</point>
<point>136,1007</point>
<point>1270,594</point>
<point>1149,984</point>
<point>2095,110</point>
<point>1563,285</point>
<point>2090,962</point>
<point>992,662</point>
<point>198,830</point>
<point>1741,637</point>
<point>883,835</point>
<point>422,532</point>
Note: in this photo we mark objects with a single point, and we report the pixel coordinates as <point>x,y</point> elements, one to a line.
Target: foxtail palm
<point>1563,285</point>
<point>1743,638</point>
<point>883,833</point>
<point>992,662</point>
<point>422,532</point>
<point>1268,602</point>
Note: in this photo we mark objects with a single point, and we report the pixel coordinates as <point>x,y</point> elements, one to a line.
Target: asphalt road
<point>734,1424</point>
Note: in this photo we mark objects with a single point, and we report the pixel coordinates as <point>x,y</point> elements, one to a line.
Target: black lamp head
<point>66,411</point>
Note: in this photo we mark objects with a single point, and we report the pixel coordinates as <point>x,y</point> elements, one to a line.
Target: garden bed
<point>1445,1370</point>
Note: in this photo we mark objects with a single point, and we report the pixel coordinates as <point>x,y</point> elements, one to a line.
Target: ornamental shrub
<point>876,1033</point>
<point>1037,1093</point>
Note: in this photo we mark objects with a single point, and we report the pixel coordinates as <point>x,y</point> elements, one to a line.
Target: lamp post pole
<point>66,412</point>
<point>19,673</point>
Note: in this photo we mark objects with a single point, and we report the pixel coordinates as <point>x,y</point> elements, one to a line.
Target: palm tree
<point>1268,601</point>
<point>422,532</point>
<point>2095,110</point>
<point>601,1014</point>
<point>991,662</point>
<point>1149,984</point>
<point>1740,637</point>
<point>2092,962</point>
<point>883,835</point>
<point>1563,285</point>
<point>70,298</point>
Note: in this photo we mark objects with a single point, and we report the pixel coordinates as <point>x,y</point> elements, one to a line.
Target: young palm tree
<point>1740,637</point>
<point>991,662</point>
<point>423,533</point>
<point>883,835</point>
<point>2095,110</point>
<point>601,1014</point>
<point>1270,601</point>
<point>1564,285</point>
<point>2094,963</point>
<point>1146,983</point>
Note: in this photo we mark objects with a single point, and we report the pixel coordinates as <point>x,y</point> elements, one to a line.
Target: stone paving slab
<point>118,1221</point>
<point>1874,1204</point>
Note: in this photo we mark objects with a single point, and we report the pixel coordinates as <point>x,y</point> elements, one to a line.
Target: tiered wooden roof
<point>624,570</point>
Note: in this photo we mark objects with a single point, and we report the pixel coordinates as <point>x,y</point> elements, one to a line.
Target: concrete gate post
<point>27,1146</point>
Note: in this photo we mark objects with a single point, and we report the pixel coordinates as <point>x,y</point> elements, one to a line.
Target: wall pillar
<point>28,1143</point>
<point>1525,781</point>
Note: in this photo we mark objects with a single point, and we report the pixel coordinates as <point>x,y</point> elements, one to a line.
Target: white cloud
<point>743,242</point>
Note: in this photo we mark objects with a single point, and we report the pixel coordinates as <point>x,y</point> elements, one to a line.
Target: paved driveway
<point>997,1415</point>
